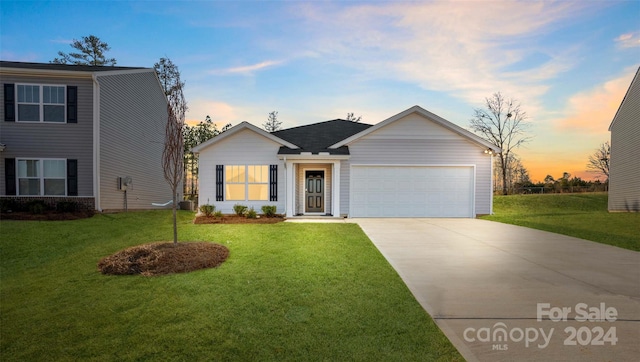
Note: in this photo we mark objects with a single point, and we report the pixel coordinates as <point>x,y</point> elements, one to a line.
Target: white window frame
<point>41,103</point>
<point>41,176</point>
<point>246,183</point>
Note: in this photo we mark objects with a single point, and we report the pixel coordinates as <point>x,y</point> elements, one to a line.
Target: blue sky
<point>568,63</point>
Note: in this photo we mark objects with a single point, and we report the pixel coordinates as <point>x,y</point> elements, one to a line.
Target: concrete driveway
<point>508,293</point>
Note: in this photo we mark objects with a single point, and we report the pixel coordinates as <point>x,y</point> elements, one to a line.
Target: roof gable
<point>317,137</point>
<point>234,130</point>
<point>426,114</point>
<point>627,96</point>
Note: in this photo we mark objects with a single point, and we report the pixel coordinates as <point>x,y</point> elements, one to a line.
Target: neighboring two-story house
<point>82,133</point>
<point>624,165</point>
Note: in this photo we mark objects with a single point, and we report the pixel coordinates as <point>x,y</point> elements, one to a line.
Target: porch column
<point>335,193</point>
<point>290,195</point>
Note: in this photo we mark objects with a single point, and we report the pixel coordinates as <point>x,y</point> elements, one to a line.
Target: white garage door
<point>411,191</point>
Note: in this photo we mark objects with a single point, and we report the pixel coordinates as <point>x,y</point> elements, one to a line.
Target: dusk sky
<point>568,63</point>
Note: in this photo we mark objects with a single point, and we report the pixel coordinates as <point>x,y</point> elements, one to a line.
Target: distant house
<point>624,166</point>
<point>80,133</point>
<point>414,164</point>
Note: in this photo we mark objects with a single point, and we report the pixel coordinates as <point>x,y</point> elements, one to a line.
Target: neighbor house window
<point>46,177</point>
<point>40,103</point>
<point>247,182</point>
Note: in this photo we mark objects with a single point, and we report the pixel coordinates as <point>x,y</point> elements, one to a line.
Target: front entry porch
<point>313,187</point>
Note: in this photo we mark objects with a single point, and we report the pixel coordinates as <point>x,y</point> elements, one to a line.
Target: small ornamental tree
<point>173,155</point>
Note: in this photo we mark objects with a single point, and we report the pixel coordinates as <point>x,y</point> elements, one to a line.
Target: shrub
<point>269,210</point>
<point>36,207</point>
<point>252,214</point>
<point>217,213</point>
<point>66,206</point>
<point>240,210</point>
<point>9,205</point>
<point>207,209</point>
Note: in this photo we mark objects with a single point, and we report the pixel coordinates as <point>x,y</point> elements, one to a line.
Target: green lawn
<point>287,292</point>
<point>581,215</point>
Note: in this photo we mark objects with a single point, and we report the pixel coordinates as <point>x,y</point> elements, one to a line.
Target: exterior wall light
<point>488,151</point>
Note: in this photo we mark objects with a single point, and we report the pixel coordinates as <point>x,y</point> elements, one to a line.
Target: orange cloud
<point>592,111</point>
<point>221,113</point>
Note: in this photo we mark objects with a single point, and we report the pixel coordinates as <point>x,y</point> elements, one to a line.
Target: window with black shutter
<point>10,176</point>
<point>273,183</point>
<point>72,104</point>
<point>9,103</point>
<point>219,183</point>
<point>72,177</point>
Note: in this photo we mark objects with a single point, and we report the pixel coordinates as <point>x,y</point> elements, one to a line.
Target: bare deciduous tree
<point>173,154</point>
<point>599,160</point>
<point>90,52</point>
<point>504,125</point>
<point>272,124</point>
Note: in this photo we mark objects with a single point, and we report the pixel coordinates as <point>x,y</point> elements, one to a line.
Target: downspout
<point>96,142</point>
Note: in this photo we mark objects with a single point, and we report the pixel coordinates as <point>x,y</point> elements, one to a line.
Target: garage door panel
<point>412,191</point>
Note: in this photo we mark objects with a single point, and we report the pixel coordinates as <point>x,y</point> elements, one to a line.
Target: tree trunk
<point>503,165</point>
<point>175,217</point>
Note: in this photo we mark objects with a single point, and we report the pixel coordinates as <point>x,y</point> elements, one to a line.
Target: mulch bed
<point>234,219</point>
<point>47,216</point>
<point>164,258</point>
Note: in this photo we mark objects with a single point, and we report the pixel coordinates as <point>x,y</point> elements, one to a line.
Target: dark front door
<point>314,191</point>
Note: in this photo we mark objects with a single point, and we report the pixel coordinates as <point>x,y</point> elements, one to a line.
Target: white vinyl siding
<point>245,148</point>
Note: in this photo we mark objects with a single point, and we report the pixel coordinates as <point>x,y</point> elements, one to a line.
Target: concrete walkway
<point>485,284</point>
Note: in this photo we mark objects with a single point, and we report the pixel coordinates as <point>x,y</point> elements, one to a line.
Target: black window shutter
<point>219,183</point>
<point>10,176</point>
<point>72,177</point>
<point>72,104</point>
<point>273,183</point>
<point>9,103</point>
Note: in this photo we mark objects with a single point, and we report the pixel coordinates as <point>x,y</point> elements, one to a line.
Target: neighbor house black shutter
<point>10,176</point>
<point>72,177</point>
<point>219,183</point>
<point>9,103</point>
<point>72,104</point>
<point>273,183</point>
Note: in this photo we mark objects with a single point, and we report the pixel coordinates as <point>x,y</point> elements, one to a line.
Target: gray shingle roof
<point>318,137</point>
<point>65,67</point>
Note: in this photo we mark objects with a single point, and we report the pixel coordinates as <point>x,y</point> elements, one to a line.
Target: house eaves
<point>65,70</point>
<point>423,112</point>
<point>233,130</point>
<point>626,97</point>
